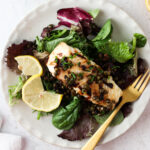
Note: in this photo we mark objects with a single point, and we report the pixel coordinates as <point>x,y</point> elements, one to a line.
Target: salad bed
<point>117,59</point>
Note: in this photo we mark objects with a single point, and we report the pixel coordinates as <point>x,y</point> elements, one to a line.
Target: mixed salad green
<point>117,58</point>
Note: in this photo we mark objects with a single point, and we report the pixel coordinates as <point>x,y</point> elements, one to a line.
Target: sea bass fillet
<point>84,76</point>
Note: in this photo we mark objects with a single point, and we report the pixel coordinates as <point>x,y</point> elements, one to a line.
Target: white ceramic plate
<point>31,26</point>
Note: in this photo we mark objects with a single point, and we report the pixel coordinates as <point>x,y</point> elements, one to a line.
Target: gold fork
<point>131,94</point>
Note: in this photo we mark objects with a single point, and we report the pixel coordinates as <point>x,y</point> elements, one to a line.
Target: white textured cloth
<point>10,142</point>
<point>0,122</point>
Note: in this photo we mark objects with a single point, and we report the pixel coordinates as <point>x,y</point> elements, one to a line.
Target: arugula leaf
<point>57,34</point>
<point>120,51</point>
<point>53,35</point>
<point>132,66</point>
<point>140,40</point>
<point>64,118</point>
<point>48,44</point>
<point>94,13</point>
<point>117,120</point>
<point>105,32</point>
<point>40,44</point>
<point>41,114</point>
<point>15,90</point>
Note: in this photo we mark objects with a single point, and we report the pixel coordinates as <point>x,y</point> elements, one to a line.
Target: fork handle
<point>90,145</point>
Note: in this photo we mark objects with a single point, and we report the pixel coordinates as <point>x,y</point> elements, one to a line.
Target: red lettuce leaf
<point>46,31</point>
<point>24,48</point>
<point>84,127</point>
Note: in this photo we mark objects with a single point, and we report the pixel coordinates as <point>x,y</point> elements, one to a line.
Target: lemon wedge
<point>147,4</point>
<point>29,65</point>
<point>34,96</point>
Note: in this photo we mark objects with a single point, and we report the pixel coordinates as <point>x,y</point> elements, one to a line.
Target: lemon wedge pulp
<point>34,96</point>
<point>29,65</point>
<point>147,4</point>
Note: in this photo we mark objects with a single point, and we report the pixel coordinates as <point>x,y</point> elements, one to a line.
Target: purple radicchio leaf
<point>76,17</point>
<point>84,127</point>
<point>73,16</point>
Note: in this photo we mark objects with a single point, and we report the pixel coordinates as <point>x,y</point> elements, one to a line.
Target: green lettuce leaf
<point>15,90</point>
<point>72,38</point>
<point>120,51</point>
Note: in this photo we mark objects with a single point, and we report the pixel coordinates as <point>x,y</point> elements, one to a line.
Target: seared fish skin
<point>84,76</point>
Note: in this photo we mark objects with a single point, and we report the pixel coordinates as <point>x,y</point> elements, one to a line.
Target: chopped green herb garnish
<point>100,70</point>
<point>56,59</point>
<point>92,78</point>
<point>63,59</point>
<point>88,62</point>
<point>115,67</point>
<point>73,75</point>
<point>108,77</point>
<point>80,75</point>
<point>65,63</point>
<point>91,67</point>
<point>73,56</point>
<point>79,63</point>
<point>83,90</point>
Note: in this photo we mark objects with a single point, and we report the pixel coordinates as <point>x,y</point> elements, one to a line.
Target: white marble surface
<point>137,138</point>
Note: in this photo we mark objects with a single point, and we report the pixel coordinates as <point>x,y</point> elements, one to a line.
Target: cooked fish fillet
<point>84,76</point>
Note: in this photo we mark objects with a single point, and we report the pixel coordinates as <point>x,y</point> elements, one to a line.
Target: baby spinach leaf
<point>117,120</point>
<point>94,13</point>
<point>105,32</point>
<point>140,40</point>
<point>85,127</point>
<point>64,118</point>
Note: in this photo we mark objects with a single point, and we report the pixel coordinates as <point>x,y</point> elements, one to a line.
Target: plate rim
<point>26,15</point>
